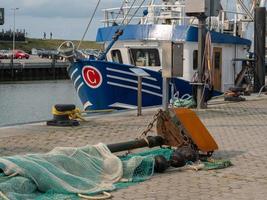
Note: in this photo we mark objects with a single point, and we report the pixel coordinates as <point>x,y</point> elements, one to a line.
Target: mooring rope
<point>72,114</point>
<point>3,196</point>
<point>261,90</point>
<point>106,195</point>
<point>77,113</point>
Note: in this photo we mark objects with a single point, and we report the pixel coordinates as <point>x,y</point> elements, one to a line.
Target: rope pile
<point>72,114</point>
<point>186,101</point>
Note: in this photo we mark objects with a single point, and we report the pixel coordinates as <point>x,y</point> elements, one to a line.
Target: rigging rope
<point>120,30</point>
<point>136,12</point>
<point>128,12</point>
<point>121,8</point>
<point>244,7</point>
<point>88,25</point>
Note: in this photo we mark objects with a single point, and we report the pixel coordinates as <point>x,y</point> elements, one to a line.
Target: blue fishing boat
<point>163,36</point>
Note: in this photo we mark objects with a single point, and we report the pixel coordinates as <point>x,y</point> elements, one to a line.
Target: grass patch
<point>46,44</point>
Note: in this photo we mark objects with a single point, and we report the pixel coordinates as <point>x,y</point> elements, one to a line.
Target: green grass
<point>46,44</point>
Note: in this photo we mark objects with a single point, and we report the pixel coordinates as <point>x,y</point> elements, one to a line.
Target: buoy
<point>64,115</point>
<point>161,164</point>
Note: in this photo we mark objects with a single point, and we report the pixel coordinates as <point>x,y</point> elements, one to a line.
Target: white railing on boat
<point>175,15</point>
<point>234,22</point>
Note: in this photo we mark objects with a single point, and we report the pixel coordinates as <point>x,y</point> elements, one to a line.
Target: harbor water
<point>32,101</point>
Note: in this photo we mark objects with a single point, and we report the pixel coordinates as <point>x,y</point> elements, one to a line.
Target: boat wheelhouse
<point>148,46</point>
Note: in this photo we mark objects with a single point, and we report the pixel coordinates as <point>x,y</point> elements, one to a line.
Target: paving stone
<point>239,129</point>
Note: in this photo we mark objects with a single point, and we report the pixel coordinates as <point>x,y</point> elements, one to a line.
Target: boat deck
<point>239,129</point>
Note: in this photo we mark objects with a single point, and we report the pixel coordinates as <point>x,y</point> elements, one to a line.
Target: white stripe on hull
<point>123,105</point>
<point>79,87</point>
<point>76,80</point>
<point>72,74</point>
<point>134,88</point>
<point>129,73</point>
<point>133,81</point>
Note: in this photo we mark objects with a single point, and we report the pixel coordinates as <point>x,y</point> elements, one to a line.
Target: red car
<point>19,54</point>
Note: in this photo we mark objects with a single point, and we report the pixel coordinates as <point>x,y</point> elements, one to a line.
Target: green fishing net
<point>65,172</point>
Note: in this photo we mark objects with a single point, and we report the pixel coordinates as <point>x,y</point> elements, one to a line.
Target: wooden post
<point>259,48</point>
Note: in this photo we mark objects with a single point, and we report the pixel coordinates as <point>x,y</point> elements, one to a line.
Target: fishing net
<point>65,172</point>
<point>217,164</point>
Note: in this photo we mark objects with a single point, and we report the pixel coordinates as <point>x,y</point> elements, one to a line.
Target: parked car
<point>5,54</point>
<point>44,53</point>
<point>2,54</point>
<point>34,51</point>
<point>19,54</point>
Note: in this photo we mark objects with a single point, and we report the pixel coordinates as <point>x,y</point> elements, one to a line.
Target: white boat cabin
<point>155,54</point>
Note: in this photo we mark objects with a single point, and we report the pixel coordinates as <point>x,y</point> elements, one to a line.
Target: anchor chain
<point>186,140</point>
<point>151,124</point>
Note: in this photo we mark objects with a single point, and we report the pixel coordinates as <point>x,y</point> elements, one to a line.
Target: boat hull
<point>106,85</point>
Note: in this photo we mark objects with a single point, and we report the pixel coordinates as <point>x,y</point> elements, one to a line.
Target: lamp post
<point>14,38</point>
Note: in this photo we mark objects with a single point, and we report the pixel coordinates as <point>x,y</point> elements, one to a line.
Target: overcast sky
<point>66,19</point>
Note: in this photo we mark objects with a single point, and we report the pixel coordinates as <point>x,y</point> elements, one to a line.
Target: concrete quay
<point>240,130</point>
<point>32,69</point>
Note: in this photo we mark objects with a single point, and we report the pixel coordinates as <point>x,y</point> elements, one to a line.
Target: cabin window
<point>195,59</point>
<point>116,56</point>
<point>145,57</point>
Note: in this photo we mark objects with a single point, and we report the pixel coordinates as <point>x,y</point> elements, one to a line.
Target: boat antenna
<point>88,25</point>
<point>119,32</point>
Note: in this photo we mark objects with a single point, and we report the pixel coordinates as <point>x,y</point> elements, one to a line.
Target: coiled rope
<point>73,114</point>
<point>106,195</point>
<point>77,113</point>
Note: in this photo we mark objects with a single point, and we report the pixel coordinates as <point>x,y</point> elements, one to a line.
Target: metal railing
<point>222,19</point>
<point>175,15</point>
